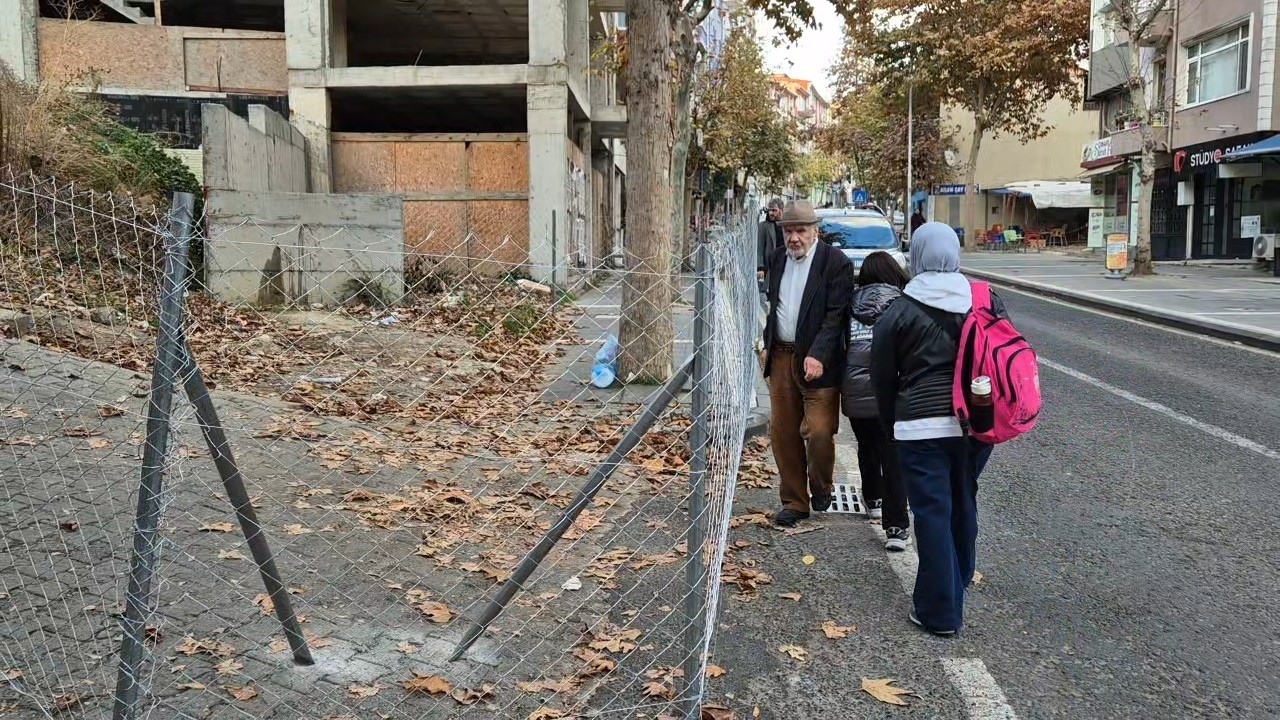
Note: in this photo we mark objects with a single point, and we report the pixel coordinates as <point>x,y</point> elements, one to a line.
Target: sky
<point>810,57</point>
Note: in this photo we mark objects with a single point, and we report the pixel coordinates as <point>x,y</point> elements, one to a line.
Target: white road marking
<point>1144,323</point>
<point>1211,430</point>
<point>983,698</point>
<point>1239,312</point>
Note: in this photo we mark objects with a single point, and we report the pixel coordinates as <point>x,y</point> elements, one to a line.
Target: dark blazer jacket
<point>824,311</point>
<point>768,240</point>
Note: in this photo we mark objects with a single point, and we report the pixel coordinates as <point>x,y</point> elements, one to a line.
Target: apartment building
<point>1211,69</point>
<point>800,101</point>
<point>1028,184</point>
<point>487,119</point>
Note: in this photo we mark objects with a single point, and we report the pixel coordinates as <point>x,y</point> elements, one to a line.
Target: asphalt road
<point>1130,549</point>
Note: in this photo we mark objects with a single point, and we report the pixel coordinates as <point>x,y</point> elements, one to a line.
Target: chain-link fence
<point>392,492</point>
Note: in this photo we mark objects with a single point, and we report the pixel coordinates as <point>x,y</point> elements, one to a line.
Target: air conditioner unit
<point>1264,247</point>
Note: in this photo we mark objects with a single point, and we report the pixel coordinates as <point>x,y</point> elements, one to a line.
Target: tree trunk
<point>645,328</point>
<point>971,194</point>
<point>1147,162</point>
<point>686,58</point>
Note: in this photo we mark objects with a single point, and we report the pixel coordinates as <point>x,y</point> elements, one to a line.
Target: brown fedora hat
<point>798,212</point>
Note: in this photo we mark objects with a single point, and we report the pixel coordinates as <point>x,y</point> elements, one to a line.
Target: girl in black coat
<point>879,284</point>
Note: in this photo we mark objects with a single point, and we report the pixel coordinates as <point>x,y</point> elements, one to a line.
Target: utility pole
<point>906,211</point>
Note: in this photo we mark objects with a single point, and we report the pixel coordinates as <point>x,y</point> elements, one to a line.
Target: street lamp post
<point>906,222</point>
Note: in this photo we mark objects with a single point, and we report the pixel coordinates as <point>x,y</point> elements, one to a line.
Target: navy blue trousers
<point>942,484</point>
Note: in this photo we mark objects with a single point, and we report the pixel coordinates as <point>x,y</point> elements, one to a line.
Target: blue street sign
<point>859,197</point>
<point>949,189</point>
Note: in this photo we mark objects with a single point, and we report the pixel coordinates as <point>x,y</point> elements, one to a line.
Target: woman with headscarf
<point>913,356</point>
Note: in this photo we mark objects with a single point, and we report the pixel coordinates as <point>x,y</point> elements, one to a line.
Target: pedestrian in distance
<point>768,237</point>
<point>804,355</point>
<point>879,284</point>
<point>913,361</point>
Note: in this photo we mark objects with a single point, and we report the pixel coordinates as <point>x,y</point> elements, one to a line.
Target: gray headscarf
<point>935,269</point>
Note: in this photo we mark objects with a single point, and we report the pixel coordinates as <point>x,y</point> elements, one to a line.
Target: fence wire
<point>408,419</point>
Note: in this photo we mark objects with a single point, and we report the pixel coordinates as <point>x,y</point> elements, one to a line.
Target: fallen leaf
<point>205,646</point>
<point>243,694</point>
<point>755,712</point>
<point>278,645</point>
<point>977,578</point>
<point>471,697</point>
<point>837,632</point>
<point>365,691</point>
<point>791,596</point>
<point>711,711</point>
<point>809,560</point>
<point>619,643</point>
<point>884,692</point>
<point>110,411</point>
<point>548,714</point>
<point>297,529</point>
<point>264,603</point>
<point>659,690</point>
<point>228,667</point>
<point>563,685</point>
<point>795,652</point>
<point>715,671</point>
<point>597,664</point>
<point>191,686</point>
<point>428,684</point>
<point>99,444</point>
<point>791,532</point>
<point>70,526</point>
<point>13,674</point>
<point>436,612</point>
<point>407,648</point>
<point>65,702</point>
<point>230,555</point>
<point>223,527</point>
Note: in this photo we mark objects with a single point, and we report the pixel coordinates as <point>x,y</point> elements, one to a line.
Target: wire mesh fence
<point>327,531</point>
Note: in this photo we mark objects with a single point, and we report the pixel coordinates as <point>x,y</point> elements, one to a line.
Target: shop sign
<point>1250,226</point>
<point>1117,251</point>
<point>1098,152</point>
<point>955,189</point>
<point>1097,236</point>
<point>1206,157</point>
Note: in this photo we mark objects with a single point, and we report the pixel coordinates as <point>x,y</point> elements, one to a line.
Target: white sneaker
<point>875,510</point>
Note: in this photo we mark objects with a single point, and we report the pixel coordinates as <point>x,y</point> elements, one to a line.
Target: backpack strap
<point>950,324</point>
<point>981,294</point>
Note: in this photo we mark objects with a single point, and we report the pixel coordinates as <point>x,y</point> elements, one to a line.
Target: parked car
<point>858,233</point>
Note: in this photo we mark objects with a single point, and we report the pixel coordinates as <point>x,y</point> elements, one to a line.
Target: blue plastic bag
<point>605,370</point>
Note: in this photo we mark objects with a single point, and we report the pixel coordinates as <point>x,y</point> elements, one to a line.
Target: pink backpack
<point>989,345</point>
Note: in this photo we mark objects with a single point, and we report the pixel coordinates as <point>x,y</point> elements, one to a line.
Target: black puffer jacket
<point>857,396</point>
<point>913,361</point>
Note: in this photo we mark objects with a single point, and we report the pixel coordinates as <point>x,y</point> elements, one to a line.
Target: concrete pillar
<point>338,56</point>
<point>578,44</point>
<point>548,108</point>
<point>308,33</point>
<point>583,136</point>
<point>310,113</point>
<point>19,48</point>
<point>547,22</point>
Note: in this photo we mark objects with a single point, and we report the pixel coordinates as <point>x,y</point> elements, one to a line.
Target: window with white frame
<point>1218,66</point>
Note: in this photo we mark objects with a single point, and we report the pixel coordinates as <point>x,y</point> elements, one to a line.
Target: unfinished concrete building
<point>483,116</point>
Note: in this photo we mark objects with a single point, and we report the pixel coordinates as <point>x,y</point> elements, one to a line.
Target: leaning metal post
<point>216,438</point>
<point>138,597</point>
<point>695,567</point>
<point>656,405</point>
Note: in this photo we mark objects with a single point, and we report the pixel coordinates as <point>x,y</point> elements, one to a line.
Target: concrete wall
<point>18,37</point>
<point>303,248</point>
<point>465,196</point>
<point>1209,122</point>
<point>1004,159</point>
<point>125,56</point>
<point>264,153</point>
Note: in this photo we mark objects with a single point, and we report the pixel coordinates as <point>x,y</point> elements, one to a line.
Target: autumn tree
<point>868,131</point>
<point>999,61</point>
<point>816,170</point>
<point>1134,20</point>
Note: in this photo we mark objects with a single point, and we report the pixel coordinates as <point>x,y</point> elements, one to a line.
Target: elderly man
<point>809,290</point>
<point>768,237</point>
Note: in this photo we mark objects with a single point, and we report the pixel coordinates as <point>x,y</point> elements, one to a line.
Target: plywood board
<point>430,166</point>
<point>498,166</point>
<point>501,232</point>
<point>435,233</point>
<point>363,167</point>
<point>140,57</point>
<point>236,64</point>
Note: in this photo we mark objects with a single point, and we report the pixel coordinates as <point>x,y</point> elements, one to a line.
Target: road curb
<point>757,424</point>
<point>1182,321</point>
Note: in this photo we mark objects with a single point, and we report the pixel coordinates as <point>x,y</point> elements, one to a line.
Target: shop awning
<point>1051,194</point>
<point>1270,146</point>
<point>1100,170</point>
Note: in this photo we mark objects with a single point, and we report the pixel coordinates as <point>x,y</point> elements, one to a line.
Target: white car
<point>858,233</point>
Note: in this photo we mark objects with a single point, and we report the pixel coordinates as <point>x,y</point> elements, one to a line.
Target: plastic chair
<point>1014,241</point>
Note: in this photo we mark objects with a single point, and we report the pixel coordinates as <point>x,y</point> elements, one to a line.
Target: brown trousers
<point>802,428</point>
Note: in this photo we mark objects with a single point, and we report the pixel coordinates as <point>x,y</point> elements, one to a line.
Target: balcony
<point>1160,32</point>
<point>1108,70</point>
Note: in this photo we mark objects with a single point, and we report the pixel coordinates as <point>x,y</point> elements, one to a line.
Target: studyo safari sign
<point>1207,156</point>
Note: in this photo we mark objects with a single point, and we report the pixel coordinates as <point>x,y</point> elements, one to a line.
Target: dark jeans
<point>942,481</point>
<point>881,478</point>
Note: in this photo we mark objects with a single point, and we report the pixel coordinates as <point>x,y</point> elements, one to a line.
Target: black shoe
<point>895,539</point>
<point>820,503</point>
<point>788,518</point>
<point>939,633</point>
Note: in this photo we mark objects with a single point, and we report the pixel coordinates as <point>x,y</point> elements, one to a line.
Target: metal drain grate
<point>845,499</point>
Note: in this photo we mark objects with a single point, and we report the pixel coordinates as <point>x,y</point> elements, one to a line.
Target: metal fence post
<point>138,598</point>
<point>695,566</point>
